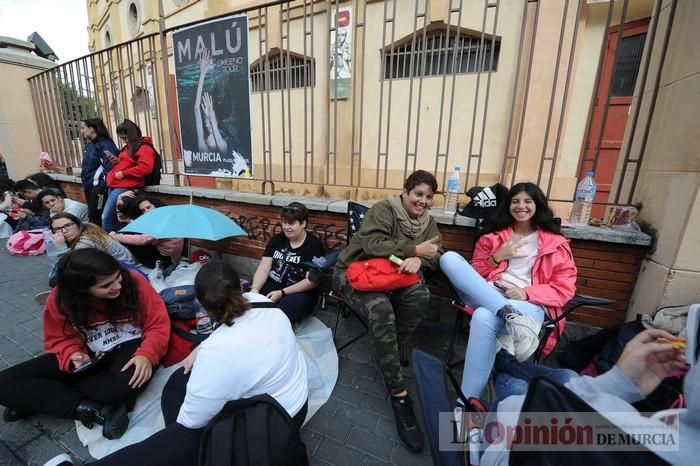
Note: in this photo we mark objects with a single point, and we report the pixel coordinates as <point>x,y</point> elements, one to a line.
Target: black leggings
<point>176,445</point>
<point>148,254</point>
<point>295,306</point>
<point>38,386</point>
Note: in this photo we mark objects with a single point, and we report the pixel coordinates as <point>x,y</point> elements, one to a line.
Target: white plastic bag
<point>183,274</point>
<point>5,228</point>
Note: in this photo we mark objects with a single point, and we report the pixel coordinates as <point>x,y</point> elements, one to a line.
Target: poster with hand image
<point>213,97</point>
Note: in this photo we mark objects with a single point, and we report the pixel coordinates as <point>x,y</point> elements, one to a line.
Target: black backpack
<point>153,178</point>
<point>253,431</point>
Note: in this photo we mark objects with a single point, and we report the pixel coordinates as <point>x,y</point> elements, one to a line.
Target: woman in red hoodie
<point>129,169</point>
<point>105,330</point>
<point>522,268</point>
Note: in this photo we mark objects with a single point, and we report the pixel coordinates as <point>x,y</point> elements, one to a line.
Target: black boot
<point>12,415</point>
<point>113,418</point>
<point>406,425</point>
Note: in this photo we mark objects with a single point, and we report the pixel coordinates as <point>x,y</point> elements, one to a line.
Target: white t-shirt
<point>519,271</point>
<point>258,354</point>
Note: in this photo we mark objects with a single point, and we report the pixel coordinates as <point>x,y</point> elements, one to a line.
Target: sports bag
<point>253,431</point>
<point>378,274</point>
<point>26,243</point>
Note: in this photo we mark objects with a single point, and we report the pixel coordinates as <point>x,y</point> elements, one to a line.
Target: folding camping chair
<point>324,267</point>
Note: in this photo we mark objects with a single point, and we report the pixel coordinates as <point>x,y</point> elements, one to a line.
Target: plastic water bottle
<point>454,186</point>
<point>583,203</point>
<point>203,325</point>
<point>51,249</point>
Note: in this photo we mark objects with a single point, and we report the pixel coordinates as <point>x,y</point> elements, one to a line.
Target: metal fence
<point>406,107</point>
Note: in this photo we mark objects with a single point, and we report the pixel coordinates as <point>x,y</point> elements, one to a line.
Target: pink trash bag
<point>26,243</point>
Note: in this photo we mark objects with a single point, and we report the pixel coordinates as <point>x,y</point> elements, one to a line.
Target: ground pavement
<point>355,427</point>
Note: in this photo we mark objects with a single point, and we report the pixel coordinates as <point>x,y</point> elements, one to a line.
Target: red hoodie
<point>153,327</point>
<point>135,169</point>
<point>553,274</point>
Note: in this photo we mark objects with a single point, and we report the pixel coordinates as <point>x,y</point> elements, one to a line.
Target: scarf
<point>411,227</point>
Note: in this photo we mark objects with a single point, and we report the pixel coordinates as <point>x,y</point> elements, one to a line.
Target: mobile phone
<point>88,364</point>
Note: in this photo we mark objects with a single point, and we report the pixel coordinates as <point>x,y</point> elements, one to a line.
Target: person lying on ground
<point>279,275</point>
<point>105,331</point>
<point>251,352</point>
<point>53,200</point>
<point>147,249</point>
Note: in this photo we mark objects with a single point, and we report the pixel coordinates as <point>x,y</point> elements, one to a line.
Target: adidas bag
<point>253,431</point>
<point>485,201</point>
<point>26,243</point>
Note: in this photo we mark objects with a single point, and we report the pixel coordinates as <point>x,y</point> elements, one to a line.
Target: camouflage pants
<point>392,318</point>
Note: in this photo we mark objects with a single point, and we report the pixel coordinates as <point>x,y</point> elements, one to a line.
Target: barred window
<point>439,53</point>
<point>281,70</point>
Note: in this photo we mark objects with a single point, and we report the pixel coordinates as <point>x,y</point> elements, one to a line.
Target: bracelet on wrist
<point>493,260</point>
<point>284,294</point>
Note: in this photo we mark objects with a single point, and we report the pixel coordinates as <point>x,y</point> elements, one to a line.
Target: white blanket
<point>315,340</point>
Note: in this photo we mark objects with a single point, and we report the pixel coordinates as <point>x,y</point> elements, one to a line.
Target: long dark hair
<point>133,134</point>
<point>543,218</point>
<point>133,210</point>
<point>79,270</point>
<point>42,180</point>
<point>101,130</point>
<point>218,290</point>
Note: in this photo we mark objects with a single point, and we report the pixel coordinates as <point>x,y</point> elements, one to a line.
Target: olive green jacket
<point>380,236</point>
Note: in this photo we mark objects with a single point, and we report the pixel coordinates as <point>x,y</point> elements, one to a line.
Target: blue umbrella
<point>185,221</point>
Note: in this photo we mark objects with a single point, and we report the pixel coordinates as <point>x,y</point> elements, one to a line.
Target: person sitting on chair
<point>522,267</point>
<point>279,275</point>
<point>400,225</point>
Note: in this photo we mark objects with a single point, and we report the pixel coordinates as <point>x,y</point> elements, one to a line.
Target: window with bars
<point>627,66</point>
<point>441,54</point>
<point>282,71</point>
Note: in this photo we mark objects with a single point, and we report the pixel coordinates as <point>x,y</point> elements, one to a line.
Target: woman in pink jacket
<point>521,268</point>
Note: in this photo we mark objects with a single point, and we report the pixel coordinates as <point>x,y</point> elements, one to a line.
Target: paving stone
<point>358,417</point>
<point>337,454</point>
<point>330,407</point>
<point>367,371</point>
<point>370,461</point>
<point>387,428</point>
<point>40,450</point>
<point>311,439</point>
<point>347,394</point>
<point>7,458</point>
<point>330,426</point>
<point>401,456</point>
<point>378,405</point>
<point>375,445</point>
<point>18,434</point>
<point>370,386</point>
<point>70,441</point>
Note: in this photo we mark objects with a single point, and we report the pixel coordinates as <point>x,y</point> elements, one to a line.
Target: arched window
<point>280,69</point>
<point>441,53</point>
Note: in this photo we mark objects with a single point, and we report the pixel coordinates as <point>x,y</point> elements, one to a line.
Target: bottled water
<point>51,249</point>
<point>454,187</point>
<point>203,326</point>
<point>585,192</point>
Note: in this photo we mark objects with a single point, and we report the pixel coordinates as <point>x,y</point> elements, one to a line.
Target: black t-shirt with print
<point>286,270</point>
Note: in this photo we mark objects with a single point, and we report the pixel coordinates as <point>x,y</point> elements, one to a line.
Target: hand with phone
<point>111,157</point>
<point>82,361</point>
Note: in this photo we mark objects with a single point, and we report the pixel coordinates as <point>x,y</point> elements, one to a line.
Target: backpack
<point>26,243</point>
<point>484,201</point>
<point>153,178</point>
<point>252,431</point>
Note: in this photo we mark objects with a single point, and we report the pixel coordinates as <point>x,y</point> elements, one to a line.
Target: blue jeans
<point>109,214</point>
<point>513,377</point>
<point>485,325</point>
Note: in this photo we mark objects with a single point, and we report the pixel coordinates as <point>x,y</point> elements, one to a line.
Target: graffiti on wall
<point>263,229</point>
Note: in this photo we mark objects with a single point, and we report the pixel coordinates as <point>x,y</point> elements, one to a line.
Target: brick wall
<point>607,270</point>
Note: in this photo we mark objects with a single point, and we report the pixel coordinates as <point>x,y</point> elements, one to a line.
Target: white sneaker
<point>524,331</point>
<point>60,460</point>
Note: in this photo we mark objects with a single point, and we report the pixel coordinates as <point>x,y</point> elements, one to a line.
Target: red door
<point>618,80</point>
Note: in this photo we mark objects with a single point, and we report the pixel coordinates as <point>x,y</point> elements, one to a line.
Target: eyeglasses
<point>63,228</point>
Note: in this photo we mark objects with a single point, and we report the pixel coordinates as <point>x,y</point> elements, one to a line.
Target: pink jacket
<point>553,275</point>
<point>171,247</point>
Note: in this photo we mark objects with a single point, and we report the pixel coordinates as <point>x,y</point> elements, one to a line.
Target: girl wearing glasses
<point>69,233</point>
<point>105,329</point>
<point>280,276</point>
